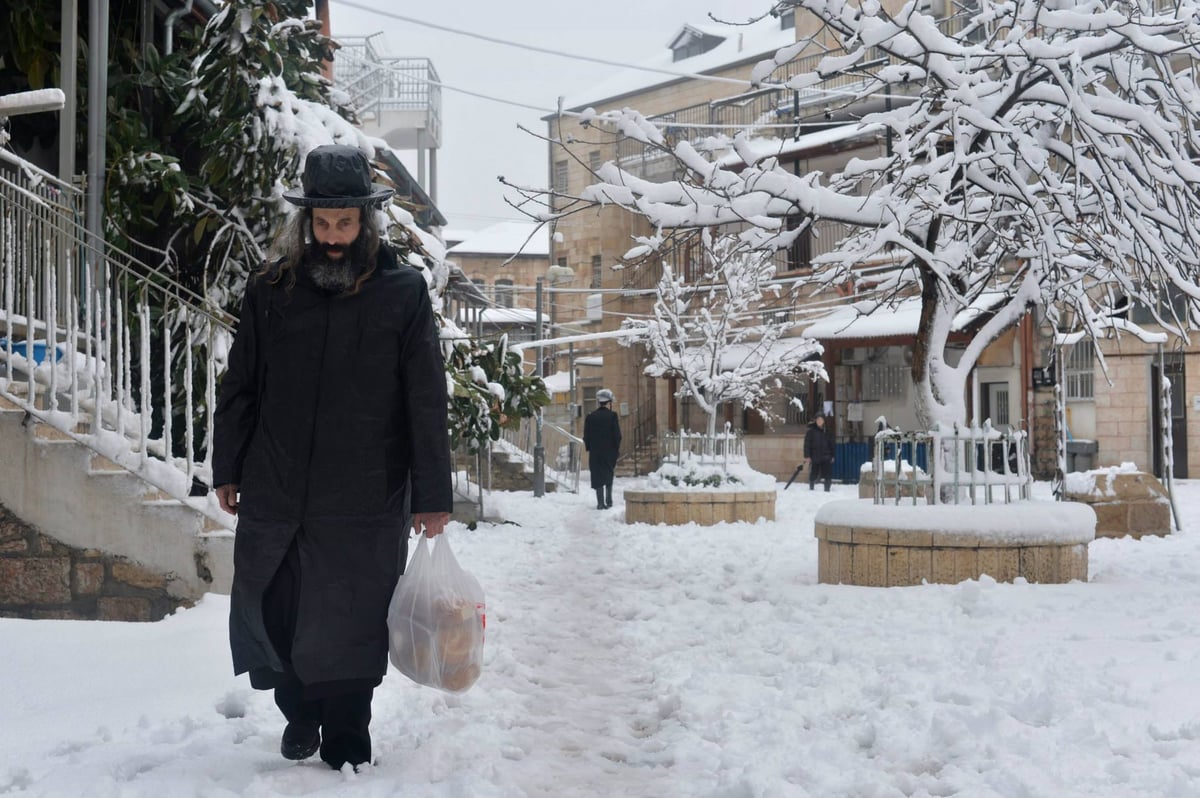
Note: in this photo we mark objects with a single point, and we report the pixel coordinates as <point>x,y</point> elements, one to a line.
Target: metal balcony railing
<point>763,112</point>
<point>377,84</point>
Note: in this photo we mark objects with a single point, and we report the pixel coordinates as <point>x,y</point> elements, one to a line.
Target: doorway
<point>993,401</point>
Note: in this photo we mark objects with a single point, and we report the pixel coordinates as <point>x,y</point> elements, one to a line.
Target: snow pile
<point>1083,483</point>
<point>707,474</point>
<point>889,467</point>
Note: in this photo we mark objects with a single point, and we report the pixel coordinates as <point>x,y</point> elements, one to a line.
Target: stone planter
<point>1130,503</point>
<point>885,545</point>
<point>701,507</point>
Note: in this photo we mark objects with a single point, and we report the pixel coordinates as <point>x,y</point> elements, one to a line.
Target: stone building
<point>867,363</point>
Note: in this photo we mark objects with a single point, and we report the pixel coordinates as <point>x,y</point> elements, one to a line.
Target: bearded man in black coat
<point>330,437</point>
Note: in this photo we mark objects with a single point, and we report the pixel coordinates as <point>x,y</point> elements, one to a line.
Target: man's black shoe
<point>300,740</point>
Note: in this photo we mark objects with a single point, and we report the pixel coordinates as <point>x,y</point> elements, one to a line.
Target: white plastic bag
<point>436,620</point>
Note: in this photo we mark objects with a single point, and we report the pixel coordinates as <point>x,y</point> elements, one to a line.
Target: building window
<point>595,160</point>
<point>597,275</point>
<point>799,254</point>
<point>1079,371</point>
<point>504,293</point>
<point>882,381</point>
<point>560,176</point>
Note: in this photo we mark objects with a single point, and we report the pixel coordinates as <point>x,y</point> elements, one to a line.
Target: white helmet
<point>604,395</point>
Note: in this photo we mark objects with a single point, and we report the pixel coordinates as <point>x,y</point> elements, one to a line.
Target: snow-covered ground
<point>663,662</point>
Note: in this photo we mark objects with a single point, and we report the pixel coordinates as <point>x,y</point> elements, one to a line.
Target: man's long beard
<point>336,275</point>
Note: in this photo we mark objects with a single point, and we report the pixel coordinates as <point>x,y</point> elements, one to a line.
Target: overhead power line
<point>534,48</point>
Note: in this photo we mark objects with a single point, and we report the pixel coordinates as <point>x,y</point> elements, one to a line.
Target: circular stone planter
<point>705,507</point>
<point>886,545</point>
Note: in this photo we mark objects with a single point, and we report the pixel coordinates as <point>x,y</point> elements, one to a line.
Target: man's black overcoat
<point>602,439</point>
<point>818,444</point>
<point>331,408</point>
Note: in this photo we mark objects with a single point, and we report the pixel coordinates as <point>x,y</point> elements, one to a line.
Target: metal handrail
<point>93,338</point>
<point>564,451</point>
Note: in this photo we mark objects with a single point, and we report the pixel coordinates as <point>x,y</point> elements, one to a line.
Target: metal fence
<point>718,449</point>
<point>968,465</point>
<point>99,344</point>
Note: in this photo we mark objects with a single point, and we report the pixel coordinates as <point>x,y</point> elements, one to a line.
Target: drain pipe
<point>173,20</point>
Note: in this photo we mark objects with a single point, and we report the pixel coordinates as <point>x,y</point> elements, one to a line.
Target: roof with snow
<point>506,238</point>
<point>874,320</point>
<point>760,39</point>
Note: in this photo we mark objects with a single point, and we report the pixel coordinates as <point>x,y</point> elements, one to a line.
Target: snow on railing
<point>111,351</point>
<point>968,465</point>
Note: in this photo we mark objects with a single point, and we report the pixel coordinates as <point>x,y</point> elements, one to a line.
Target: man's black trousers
<point>820,471</point>
<point>343,708</point>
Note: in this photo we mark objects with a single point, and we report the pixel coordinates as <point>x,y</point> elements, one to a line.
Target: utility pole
<point>539,451</point>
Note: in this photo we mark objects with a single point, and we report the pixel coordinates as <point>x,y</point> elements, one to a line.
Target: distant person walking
<point>818,452</point>
<point>602,439</point>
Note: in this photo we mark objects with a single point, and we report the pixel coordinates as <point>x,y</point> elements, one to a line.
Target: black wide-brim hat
<point>337,176</point>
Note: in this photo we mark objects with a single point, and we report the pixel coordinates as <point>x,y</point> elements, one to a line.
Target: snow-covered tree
<point>708,331</point>
<point>1044,154</point>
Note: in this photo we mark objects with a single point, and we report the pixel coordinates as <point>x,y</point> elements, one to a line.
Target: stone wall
<point>704,507</point>
<point>43,578</point>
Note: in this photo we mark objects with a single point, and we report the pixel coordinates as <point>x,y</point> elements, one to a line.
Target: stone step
<point>44,433</point>
<point>99,466</point>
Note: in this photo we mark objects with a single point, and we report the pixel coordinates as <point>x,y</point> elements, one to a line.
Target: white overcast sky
<point>480,138</point>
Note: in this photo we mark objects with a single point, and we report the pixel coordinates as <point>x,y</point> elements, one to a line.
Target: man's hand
<point>227,495</point>
<point>432,524</point>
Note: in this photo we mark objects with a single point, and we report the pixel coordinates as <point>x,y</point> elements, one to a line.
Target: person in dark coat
<point>330,436</point>
<point>818,452</point>
<point>602,439</point>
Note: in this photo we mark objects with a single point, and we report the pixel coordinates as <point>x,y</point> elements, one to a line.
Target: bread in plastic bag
<point>436,620</point>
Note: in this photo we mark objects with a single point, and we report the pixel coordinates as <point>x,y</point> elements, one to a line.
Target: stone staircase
<point>100,535</point>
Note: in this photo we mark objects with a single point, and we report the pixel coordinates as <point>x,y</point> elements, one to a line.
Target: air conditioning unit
<point>595,307</point>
